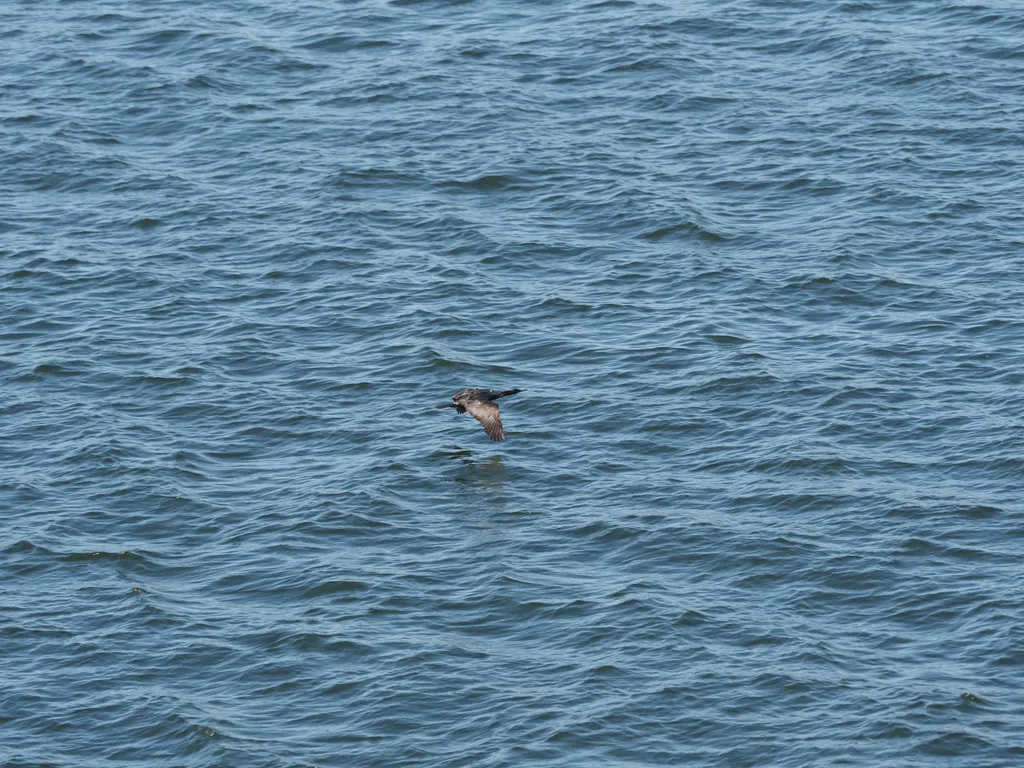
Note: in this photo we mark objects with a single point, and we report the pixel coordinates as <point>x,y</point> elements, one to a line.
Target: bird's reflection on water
<point>487,472</point>
<point>486,486</point>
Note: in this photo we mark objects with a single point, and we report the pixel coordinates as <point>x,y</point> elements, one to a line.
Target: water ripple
<point>757,268</point>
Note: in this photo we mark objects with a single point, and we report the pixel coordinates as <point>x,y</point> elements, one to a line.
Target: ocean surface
<point>758,265</point>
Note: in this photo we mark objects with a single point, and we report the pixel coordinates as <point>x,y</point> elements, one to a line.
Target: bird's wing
<point>487,414</point>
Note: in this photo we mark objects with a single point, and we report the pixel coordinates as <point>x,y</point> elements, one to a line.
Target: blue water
<point>759,265</point>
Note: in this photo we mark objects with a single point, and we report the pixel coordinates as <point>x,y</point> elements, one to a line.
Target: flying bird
<point>480,404</point>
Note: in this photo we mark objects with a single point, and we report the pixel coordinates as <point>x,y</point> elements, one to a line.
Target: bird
<point>480,403</point>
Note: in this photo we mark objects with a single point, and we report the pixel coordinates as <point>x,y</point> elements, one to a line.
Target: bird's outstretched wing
<point>487,414</point>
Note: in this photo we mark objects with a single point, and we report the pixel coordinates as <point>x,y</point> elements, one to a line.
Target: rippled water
<point>759,266</point>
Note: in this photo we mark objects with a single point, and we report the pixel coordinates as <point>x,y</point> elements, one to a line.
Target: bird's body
<point>480,404</point>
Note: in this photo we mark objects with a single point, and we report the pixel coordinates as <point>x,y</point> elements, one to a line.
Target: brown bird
<point>480,403</point>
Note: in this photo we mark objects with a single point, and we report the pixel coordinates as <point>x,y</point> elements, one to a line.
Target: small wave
<point>489,183</point>
<point>688,228</point>
<point>125,556</point>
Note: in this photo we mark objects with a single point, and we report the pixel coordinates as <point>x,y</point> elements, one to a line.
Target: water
<point>757,264</point>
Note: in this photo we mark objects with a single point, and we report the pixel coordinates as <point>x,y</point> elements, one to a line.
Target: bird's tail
<point>507,392</point>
